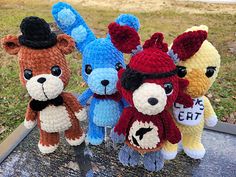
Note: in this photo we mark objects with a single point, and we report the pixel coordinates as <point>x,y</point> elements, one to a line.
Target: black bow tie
<point>36,105</point>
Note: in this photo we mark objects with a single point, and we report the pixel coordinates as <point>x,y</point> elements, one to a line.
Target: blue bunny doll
<point>100,63</point>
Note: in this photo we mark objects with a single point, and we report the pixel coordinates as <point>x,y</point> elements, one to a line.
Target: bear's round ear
<point>11,44</point>
<point>65,43</point>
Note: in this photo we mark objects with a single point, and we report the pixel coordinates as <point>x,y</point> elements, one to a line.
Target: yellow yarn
<point>199,84</point>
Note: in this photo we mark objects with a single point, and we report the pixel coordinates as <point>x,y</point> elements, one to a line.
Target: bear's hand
<point>117,138</point>
<point>29,124</point>
<point>82,115</point>
<point>211,121</point>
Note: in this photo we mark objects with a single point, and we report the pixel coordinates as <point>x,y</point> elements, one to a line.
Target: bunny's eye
<point>88,69</point>
<point>28,74</point>
<point>118,66</point>
<point>168,88</point>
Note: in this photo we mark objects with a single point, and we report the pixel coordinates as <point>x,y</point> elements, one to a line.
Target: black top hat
<point>36,33</point>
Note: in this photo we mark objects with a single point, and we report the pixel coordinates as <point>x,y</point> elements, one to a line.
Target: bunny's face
<point>101,62</point>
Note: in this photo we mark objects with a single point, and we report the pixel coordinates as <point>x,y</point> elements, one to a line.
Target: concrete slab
<point>25,160</point>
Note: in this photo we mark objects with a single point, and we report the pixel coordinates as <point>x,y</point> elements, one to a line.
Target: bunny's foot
<point>153,161</point>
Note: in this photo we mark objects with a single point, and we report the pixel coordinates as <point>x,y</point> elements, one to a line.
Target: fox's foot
<point>153,161</point>
<point>129,157</point>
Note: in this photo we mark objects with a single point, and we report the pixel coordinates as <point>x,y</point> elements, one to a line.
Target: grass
<point>13,97</point>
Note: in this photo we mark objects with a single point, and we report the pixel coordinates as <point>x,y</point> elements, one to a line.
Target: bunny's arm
<point>209,113</point>
<point>84,97</point>
<point>30,118</point>
<point>72,23</point>
<point>172,132</point>
<point>124,120</point>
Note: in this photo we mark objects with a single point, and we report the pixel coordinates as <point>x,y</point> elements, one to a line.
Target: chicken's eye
<point>210,71</point>
<point>182,71</point>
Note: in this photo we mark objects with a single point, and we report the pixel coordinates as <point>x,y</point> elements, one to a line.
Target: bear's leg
<point>153,161</point>
<point>192,145</point>
<point>128,156</point>
<point>48,142</point>
<point>75,135</point>
<point>96,134</point>
<point>169,151</point>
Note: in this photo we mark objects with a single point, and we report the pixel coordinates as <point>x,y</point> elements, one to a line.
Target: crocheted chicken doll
<point>150,84</point>
<point>45,73</point>
<point>199,63</point>
<point>100,64</point>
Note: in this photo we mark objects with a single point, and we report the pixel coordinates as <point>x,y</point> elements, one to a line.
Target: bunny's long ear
<point>71,23</point>
<point>187,44</point>
<point>124,38</point>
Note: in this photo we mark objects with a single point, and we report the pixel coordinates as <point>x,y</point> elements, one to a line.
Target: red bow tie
<point>116,96</point>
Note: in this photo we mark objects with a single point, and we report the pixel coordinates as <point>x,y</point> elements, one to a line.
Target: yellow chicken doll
<point>198,61</point>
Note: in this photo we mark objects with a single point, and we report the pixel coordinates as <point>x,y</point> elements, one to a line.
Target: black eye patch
<point>131,79</point>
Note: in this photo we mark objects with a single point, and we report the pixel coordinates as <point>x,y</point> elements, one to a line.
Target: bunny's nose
<point>105,82</point>
<point>41,80</point>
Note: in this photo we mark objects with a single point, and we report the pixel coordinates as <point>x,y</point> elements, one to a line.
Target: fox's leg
<point>48,142</point>
<point>169,151</point>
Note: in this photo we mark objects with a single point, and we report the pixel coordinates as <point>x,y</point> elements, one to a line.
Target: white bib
<point>189,116</point>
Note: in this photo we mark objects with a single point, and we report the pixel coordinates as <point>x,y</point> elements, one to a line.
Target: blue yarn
<point>153,161</point>
<point>129,157</point>
<point>117,138</point>
<point>102,57</point>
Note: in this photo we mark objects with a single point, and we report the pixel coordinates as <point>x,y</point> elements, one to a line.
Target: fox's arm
<point>71,102</point>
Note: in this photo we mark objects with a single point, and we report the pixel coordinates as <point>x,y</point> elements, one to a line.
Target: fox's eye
<point>88,69</point>
<point>28,74</point>
<point>56,70</point>
<point>182,71</point>
<point>118,66</point>
<point>210,71</point>
<point>168,88</point>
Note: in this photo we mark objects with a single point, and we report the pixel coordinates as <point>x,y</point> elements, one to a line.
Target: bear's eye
<point>168,88</point>
<point>88,69</point>
<point>118,66</point>
<point>210,71</point>
<point>28,74</point>
<point>182,71</point>
<point>56,70</point>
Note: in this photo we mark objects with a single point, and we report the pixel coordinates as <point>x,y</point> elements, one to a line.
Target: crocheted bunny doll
<point>150,84</point>
<point>45,73</point>
<point>199,63</point>
<point>100,64</point>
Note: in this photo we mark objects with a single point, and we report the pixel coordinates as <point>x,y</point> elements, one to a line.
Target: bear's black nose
<point>105,82</point>
<point>41,80</point>
<point>152,101</point>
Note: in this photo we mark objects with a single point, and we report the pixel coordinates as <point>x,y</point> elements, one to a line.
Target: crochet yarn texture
<point>199,63</point>
<point>45,73</point>
<point>100,63</point>
<point>150,85</point>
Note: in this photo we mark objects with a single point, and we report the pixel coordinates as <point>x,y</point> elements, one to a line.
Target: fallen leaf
<point>73,165</point>
<point>2,129</point>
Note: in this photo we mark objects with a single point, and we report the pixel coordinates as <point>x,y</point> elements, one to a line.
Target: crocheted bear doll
<point>199,63</point>
<point>150,84</point>
<point>45,73</point>
<point>100,64</point>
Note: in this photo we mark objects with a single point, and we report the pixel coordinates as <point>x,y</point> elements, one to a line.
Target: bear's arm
<point>172,132</point>
<point>124,121</point>
<point>30,117</point>
<point>71,101</point>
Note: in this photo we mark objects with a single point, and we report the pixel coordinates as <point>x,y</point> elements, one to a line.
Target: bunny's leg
<point>128,156</point>
<point>48,142</point>
<point>96,134</point>
<point>153,161</point>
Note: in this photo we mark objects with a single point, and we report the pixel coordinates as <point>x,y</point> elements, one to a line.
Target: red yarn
<point>156,41</point>
<point>188,43</point>
<point>124,38</point>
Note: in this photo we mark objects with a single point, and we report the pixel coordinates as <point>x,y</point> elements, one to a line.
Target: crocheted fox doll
<point>45,73</point>
<point>100,63</point>
<point>150,85</point>
<point>199,63</point>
